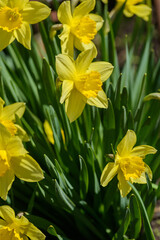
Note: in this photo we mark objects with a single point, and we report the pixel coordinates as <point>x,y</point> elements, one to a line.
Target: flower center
<point>89,84</point>
<point>9,234</point>
<point>85,29</point>
<point>132,167</point>
<point>4,165</point>
<point>10,19</point>
<point>10,126</point>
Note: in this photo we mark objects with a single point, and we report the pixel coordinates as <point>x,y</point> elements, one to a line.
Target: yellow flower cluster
<point>81,81</point>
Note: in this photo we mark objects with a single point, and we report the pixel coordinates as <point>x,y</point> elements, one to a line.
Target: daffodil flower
<point>15,161</point>
<point>135,7</point>
<point>17,227</point>
<point>8,116</point>
<point>128,164</point>
<point>15,17</point>
<point>79,28</point>
<point>82,82</point>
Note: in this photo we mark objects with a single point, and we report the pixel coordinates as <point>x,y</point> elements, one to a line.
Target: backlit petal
<point>35,12</point>
<point>67,87</point>
<point>65,67</point>
<point>26,168</point>
<point>125,146</point>
<point>74,105</point>
<point>7,213</point>
<point>67,39</point>
<point>84,60</point>
<point>110,170</point>
<point>104,68</point>
<point>32,232</point>
<point>23,35</point>
<point>98,19</point>
<point>123,185</point>
<point>84,8</point>
<point>1,106</point>
<point>4,137</point>
<point>15,147</point>
<point>143,150</point>
<point>141,10</point>
<point>5,183</point>
<point>64,13</point>
<point>11,110</point>
<point>6,39</point>
<point>21,133</point>
<point>17,3</point>
<point>100,101</point>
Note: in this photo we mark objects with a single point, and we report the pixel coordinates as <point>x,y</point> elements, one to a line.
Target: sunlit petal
<point>110,170</point>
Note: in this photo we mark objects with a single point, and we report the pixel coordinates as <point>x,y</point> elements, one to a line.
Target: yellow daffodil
<point>135,7</point>
<point>49,132</point>
<point>8,115</point>
<point>15,17</point>
<point>82,82</point>
<point>128,164</point>
<point>17,227</point>
<point>79,28</point>
<point>15,161</point>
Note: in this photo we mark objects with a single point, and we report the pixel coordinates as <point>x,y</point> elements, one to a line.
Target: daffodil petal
<point>11,110</point>
<point>67,39</point>
<point>4,137</point>
<point>3,3</point>
<point>141,10</point>
<point>6,39</point>
<point>108,173</point>
<point>67,87</point>
<point>5,183</point>
<point>35,12</point>
<point>23,35</point>
<point>123,185</point>
<point>2,223</point>
<point>26,168</point>
<point>125,146</point>
<point>127,12</point>
<point>104,68</point>
<point>84,60</point>
<point>100,101</point>
<point>74,105</point>
<point>7,213</point>
<point>15,147</point>
<point>84,8</point>
<point>21,133</point>
<point>143,150</point>
<point>142,179</point>
<point>1,106</point>
<point>33,233</point>
<point>17,3</point>
<point>98,19</point>
<point>64,13</point>
<point>65,67</point>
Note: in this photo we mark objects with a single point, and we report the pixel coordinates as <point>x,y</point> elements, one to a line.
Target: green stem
<point>147,226</point>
